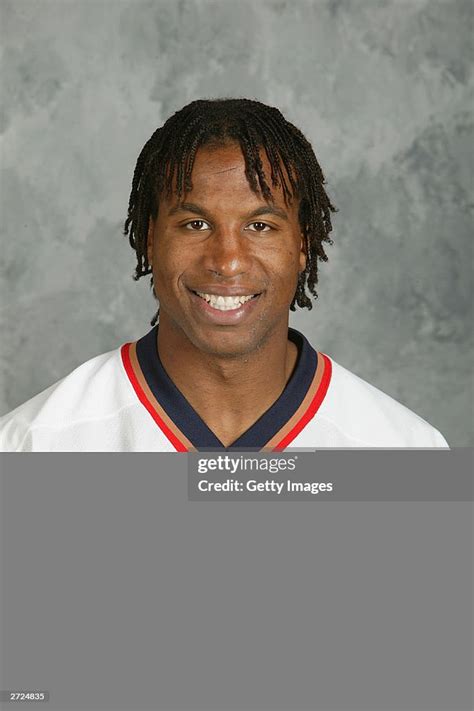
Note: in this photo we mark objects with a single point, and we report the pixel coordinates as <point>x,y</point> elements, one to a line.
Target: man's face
<point>225,262</point>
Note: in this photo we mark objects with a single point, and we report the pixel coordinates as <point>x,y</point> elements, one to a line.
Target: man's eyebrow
<point>187,207</point>
<point>263,210</point>
<point>269,210</point>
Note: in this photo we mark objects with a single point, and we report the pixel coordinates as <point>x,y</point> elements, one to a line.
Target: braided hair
<point>170,153</point>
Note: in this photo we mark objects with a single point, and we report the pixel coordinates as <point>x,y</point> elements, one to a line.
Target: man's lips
<point>224,305</point>
<point>221,290</point>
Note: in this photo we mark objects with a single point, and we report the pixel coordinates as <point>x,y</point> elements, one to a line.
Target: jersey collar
<point>185,429</point>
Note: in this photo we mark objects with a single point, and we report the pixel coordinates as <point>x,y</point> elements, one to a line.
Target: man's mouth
<point>225,303</point>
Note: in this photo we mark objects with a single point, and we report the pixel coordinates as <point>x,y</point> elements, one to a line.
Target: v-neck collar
<point>185,429</point>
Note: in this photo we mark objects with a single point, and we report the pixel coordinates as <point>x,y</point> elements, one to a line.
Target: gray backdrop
<point>383,89</point>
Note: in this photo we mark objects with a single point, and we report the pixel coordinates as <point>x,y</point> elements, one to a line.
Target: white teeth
<point>225,303</point>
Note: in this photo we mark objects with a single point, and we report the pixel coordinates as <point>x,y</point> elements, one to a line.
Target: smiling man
<point>229,213</point>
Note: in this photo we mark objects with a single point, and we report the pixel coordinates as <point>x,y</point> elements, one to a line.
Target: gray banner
<point>350,475</point>
<point>117,593</point>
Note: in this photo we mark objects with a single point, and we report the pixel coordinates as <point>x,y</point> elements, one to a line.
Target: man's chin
<point>235,341</point>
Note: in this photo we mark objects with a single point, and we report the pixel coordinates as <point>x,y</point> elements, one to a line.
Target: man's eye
<point>196,225</point>
<point>260,227</point>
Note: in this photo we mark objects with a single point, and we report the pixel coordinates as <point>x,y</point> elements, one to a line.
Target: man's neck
<point>229,393</point>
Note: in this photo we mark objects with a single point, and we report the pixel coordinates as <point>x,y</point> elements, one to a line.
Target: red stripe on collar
<point>312,408</point>
<point>177,444</point>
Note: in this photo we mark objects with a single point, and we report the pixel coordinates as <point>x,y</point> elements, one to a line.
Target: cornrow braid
<point>171,152</point>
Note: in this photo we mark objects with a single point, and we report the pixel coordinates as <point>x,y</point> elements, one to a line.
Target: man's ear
<point>150,240</point>
<point>303,253</point>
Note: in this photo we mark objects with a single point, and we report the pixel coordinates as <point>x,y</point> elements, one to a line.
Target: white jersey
<point>123,401</point>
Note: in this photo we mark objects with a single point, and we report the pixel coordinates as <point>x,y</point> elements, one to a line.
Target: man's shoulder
<point>95,390</point>
<point>362,415</point>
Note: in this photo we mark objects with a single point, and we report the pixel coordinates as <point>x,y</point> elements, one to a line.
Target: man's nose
<point>227,253</point>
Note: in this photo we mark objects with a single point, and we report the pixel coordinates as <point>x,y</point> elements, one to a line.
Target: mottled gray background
<point>383,89</point>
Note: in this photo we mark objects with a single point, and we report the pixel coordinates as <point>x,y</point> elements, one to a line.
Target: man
<point>229,214</point>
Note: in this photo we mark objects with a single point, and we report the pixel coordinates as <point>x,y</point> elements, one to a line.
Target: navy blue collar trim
<point>194,428</point>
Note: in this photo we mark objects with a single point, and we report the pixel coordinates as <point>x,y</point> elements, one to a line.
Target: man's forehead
<point>210,161</point>
<point>214,170</point>
<point>224,166</point>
